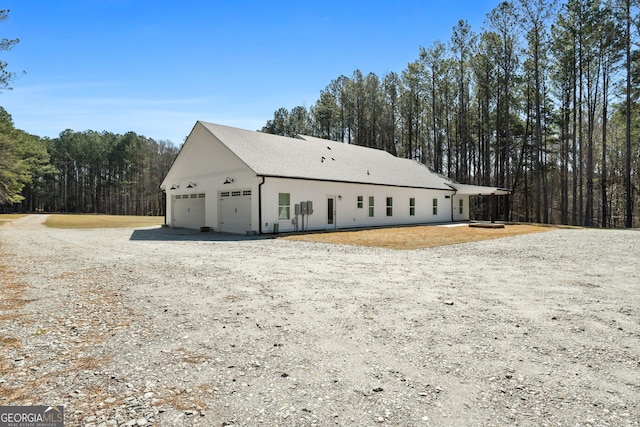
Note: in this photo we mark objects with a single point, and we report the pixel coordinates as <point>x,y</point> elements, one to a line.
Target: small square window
<point>360,202</point>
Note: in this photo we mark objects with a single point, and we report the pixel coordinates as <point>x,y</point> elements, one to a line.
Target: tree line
<point>83,172</point>
<point>544,100</point>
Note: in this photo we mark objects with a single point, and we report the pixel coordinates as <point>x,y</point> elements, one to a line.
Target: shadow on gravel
<point>181,234</point>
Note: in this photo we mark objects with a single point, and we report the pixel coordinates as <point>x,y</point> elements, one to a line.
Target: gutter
<point>355,182</point>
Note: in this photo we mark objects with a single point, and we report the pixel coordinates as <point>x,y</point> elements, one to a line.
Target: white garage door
<point>235,211</point>
<point>188,210</point>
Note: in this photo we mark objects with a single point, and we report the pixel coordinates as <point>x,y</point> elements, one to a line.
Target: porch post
<point>493,208</point>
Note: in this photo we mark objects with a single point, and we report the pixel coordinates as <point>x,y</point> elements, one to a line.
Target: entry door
<point>331,212</point>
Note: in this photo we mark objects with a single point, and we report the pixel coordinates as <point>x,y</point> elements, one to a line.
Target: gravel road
<point>175,328</point>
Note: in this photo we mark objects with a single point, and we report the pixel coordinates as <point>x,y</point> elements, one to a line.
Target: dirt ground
<point>171,327</point>
<point>418,237</point>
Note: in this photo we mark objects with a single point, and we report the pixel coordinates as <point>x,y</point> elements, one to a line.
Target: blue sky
<point>156,67</point>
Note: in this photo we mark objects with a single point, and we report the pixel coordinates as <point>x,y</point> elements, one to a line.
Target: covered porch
<point>491,192</point>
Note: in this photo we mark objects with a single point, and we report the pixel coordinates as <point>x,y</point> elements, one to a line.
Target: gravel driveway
<point>169,327</point>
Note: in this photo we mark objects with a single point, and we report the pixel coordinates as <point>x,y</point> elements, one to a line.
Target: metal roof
<point>478,190</point>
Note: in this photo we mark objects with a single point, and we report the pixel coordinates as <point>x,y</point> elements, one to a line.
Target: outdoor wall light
<point>175,187</point>
<point>228,180</point>
<point>339,197</point>
<point>191,185</point>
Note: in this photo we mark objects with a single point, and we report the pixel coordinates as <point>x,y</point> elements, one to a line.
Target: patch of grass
<point>89,363</point>
<point>418,237</point>
<point>12,292</point>
<point>9,342</point>
<point>9,217</point>
<point>69,221</point>
<point>11,304</point>
<point>182,401</point>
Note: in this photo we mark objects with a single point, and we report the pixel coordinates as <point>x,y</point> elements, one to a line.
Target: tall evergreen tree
<point>503,19</point>
<point>12,174</point>
<point>536,13</point>
<point>462,43</point>
<point>6,76</point>
<point>627,19</point>
<point>433,60</point>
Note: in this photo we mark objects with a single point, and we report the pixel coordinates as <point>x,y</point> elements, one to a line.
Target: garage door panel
<point>188,210</point>
<point>235,211</point>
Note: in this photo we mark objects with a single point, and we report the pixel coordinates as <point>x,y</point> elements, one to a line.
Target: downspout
<point>452,196</point>
<point>164,197</point>
<point>260,205</point>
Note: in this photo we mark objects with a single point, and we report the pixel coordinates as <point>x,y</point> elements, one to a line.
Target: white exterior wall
<point>211,186</point>
<point>347,214</point>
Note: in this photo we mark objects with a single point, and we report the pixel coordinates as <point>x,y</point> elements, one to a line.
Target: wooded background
<point>543,100</point>
<point>84,172</point>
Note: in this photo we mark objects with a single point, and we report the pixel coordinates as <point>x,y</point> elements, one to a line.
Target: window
<point>360,202</point>
<point>435,206</point>
<point>370,206</point>
<point>389,206</point>
<point>412,206</point>
<point>460,207</point>
<point>284,206</point>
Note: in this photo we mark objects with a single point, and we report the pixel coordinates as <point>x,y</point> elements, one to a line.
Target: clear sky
<point>155,67</point>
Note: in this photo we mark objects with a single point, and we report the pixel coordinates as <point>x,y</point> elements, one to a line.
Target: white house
<point>239,181</point>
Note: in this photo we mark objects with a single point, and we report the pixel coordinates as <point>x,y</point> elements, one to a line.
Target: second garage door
<point>235,211</point>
